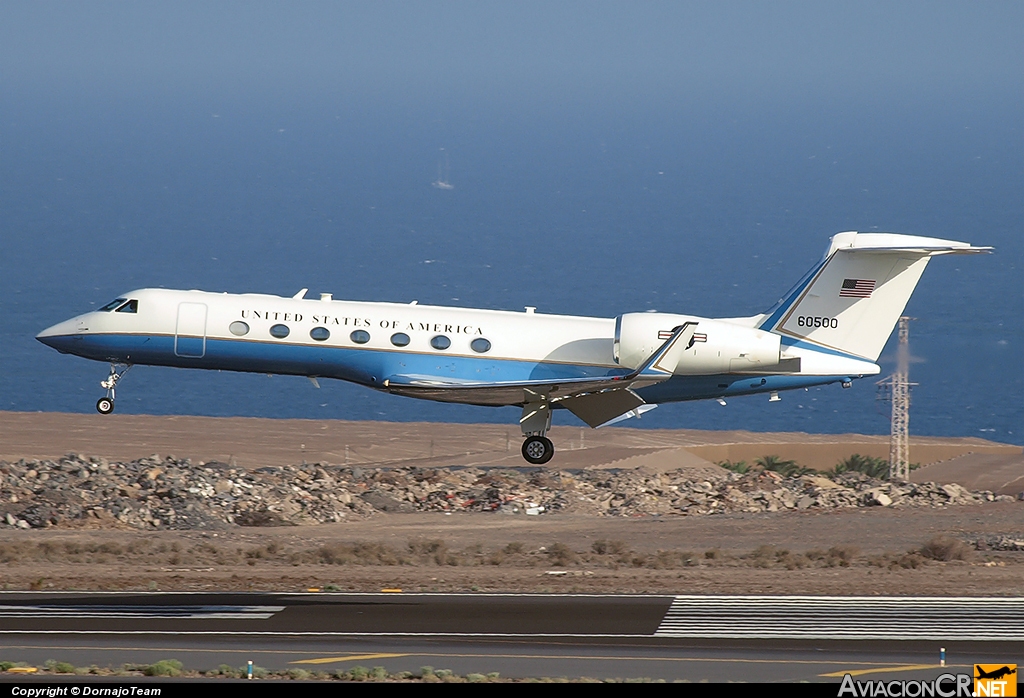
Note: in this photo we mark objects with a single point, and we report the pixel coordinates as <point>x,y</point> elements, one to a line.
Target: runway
<point>715,638</point>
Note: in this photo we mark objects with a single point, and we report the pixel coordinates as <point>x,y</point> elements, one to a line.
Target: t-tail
<point>851,300</point>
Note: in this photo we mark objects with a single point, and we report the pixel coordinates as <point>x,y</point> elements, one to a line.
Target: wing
<point>594,400</point>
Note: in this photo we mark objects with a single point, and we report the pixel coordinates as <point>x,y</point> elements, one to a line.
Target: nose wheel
<point>105,405</point>
<point>538,449</point>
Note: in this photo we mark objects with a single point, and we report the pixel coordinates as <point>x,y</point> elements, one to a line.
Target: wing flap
<point>600,408</point>
<point>496,393</point>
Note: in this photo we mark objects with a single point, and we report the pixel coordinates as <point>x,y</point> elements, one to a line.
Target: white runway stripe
<point>840,618</point>
<point>96,611</point>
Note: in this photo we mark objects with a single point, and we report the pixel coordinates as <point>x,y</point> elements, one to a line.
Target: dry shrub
<point>842,555</point>
<point>894,561</point>
<point>12,552</point>
<point>670,559</point>
<point>435,549</point>
<point>609,547</point>
<point>945,548</point>
<point>762,556</point>
<point>791,561</point>
<point>561,555</point>
<point>139,545</point>
<point>911,561</point>
<point>420,546</point>
<point>358,554</point>
<point>767,556</point>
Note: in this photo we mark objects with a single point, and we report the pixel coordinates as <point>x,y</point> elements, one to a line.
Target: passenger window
<point>239,328</point>
<point>400,339</point>
<point>319,333</point>
<point>440,342</point>
<point>360,336</point>
<point>131,306</point>
<point>112,304</point>
<point>480,345</point>
<point>279,331</point>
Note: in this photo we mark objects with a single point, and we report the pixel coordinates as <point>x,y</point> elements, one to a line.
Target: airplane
<point>994,674</point>
<point>829,328</point>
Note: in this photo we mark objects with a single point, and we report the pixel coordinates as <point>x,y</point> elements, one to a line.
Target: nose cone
<point>63,336</point>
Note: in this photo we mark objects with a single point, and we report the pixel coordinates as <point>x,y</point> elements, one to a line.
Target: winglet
<point>656,366</point>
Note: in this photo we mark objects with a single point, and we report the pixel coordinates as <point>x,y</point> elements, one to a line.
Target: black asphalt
<point>515,635</point>
<point>335,613</point>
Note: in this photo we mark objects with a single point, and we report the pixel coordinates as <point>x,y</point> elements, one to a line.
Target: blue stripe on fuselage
<point>366,366</point>
<point>370,366</point>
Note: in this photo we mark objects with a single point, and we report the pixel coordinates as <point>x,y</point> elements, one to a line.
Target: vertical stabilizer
<point>850,301</point>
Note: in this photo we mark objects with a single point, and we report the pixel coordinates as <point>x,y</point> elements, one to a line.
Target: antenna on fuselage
<point>300,295</point>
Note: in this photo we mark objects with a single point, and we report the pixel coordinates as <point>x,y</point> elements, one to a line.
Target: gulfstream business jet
<point>830,328</point>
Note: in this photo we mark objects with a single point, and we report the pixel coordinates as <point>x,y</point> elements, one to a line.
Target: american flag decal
<point>857,288</point>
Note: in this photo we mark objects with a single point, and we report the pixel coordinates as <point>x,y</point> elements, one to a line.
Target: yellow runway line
<point>352,658</point>
<point>604,658</point>
<point>879,670</point>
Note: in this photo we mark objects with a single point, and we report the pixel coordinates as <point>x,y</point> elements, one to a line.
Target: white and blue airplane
<point>830,328</point>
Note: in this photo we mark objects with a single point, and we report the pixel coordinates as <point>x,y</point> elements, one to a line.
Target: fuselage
<point>368,343</point>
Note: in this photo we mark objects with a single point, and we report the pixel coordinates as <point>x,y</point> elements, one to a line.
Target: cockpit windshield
<point>121,305</point>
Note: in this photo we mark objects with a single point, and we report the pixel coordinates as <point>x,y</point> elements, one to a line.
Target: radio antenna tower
<point>898,388</point>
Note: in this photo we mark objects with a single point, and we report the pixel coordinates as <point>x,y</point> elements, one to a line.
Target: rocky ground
<point>160,492</point>
<point>623,511</point>
<point>165,523</point>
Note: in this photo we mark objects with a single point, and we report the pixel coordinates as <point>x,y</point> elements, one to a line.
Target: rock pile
<point>170,493</point>
<point>1003,542</point>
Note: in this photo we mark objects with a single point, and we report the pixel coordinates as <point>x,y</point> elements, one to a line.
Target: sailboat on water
<point>443,174</point>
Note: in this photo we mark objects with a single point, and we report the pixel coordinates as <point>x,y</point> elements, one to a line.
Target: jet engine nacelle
<point>718,347</point>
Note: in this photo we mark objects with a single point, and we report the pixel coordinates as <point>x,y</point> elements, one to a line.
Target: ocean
<point>707,204</point>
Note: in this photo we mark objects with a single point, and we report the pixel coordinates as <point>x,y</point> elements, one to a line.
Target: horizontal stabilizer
<point>850,301</point>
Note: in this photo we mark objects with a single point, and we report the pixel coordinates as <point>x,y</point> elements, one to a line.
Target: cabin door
<point>190,332</point>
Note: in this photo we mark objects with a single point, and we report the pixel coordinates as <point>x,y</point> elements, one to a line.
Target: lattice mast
<point>899,387</point>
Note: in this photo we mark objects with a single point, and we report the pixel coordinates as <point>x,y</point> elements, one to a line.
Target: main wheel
<point>538,450</point>
<point>104,405</point>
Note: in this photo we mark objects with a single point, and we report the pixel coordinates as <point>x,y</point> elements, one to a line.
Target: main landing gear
<point>105,405</point>
<point>535,423</point>
<point>538,449</point>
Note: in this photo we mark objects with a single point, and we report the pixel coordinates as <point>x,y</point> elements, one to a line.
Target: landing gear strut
<point>535,423</point>
<point>105,405</point>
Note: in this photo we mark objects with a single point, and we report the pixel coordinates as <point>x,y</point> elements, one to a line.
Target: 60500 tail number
<point>811,321</point>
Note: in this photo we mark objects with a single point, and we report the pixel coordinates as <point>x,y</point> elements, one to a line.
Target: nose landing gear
<point>105,405</point>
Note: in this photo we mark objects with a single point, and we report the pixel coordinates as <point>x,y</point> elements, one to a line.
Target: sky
<point>257,146</point>
<point>590,52</point>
